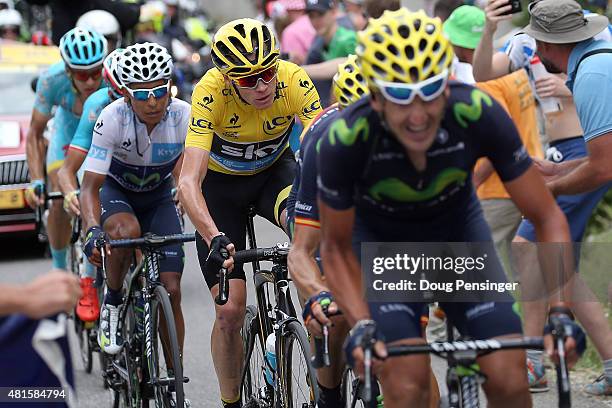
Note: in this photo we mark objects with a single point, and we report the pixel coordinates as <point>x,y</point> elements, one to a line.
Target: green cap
<point>464,26</point>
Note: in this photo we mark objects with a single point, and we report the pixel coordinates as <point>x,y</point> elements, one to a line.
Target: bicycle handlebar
<point>262,254</point>
<point>148,241</point>
<point>275,254</point>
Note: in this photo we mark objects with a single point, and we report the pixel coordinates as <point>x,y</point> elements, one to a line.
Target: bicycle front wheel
<point>165,369</point>
<point>297,376</point>
<point>254,357</point>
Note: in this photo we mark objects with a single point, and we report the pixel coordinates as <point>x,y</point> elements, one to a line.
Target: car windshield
<point>17,96</point>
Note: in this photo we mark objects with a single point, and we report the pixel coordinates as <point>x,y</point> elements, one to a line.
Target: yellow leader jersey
<point>241,139</point>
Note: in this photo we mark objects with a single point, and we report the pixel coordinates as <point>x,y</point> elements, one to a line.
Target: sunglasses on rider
<point>251,81</point>
<point>404,94</point>
<point>84,76</point>
<point>144,94</point>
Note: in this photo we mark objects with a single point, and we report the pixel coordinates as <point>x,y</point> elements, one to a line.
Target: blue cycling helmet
<point>82,48</point>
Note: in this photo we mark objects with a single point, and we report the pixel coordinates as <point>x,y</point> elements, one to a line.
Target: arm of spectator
<point>482,172</point>
<point>324,70</point>
<point>552,86</point>
<point>487,63</point>
<point>49,294</point>
<point>591,173</point>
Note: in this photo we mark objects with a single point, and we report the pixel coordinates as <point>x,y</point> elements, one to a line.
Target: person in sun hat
<point>564,38</point>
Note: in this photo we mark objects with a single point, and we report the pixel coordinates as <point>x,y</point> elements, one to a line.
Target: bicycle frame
<point>142,281</point>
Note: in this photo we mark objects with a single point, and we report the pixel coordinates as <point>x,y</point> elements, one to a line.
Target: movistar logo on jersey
<point>163,152</point>
<point>339,130</point>
<point>397,190</point>
<point>464,112</point>
<point>97,152</point>
<point>141,182</point>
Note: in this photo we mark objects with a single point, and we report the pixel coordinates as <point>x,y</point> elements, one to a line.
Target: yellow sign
<point>20,54</point>
<point>11,199</point>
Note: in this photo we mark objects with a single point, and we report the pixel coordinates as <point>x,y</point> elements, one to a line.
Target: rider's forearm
<point>190,196</point>
<point>35,153</point>
<point>344,280</point>
<point>482,62</point>
<point>67,177</point>
<point>90,208</point>
<point>305,273</point>
<point>555,253</point>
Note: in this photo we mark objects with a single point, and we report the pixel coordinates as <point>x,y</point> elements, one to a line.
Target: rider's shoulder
<point>180,109</point>
<point>212,82</point>
<point>56,72</point>
<point>469,107</point>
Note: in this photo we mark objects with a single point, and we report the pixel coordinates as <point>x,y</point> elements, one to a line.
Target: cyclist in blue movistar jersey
<point>396,167</point>
<point>303,220</point>
<point>136,150</point>
<point>88,308</point>
<point>65,86</point>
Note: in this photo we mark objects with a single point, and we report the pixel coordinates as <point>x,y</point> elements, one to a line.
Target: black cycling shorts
<point>228,198</point>
<point>156,213</point>
<point>402,320</point>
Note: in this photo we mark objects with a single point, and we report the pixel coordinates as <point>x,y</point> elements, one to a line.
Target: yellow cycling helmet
<point>349,83</point>
<point>403,46</point>
<point>243,47</point>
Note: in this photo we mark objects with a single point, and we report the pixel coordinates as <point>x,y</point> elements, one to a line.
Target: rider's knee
<point>507,387</point>
<point>174,290</point>
<point>416,391</point>
<point>123,230</point>
<point>230,317</point>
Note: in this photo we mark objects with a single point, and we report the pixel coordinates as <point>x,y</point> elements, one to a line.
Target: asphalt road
<point>18,263</point>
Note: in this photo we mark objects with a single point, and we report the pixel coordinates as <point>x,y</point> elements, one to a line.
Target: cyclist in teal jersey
<point>88,307</point>
<point>64,86</point>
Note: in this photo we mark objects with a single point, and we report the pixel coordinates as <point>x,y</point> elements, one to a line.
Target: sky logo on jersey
<point>464,112</point>
<point>397,190</point>
<point>163,152</point>
<point>97,152</point>
<point>339,130</point>
<point>247,157</point>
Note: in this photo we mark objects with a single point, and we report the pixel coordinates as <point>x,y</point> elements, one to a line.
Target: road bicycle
<point>142,371</point>
<point>292,383</point>
<point>463,377</point>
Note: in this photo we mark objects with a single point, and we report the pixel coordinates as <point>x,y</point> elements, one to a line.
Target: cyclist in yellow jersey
<point>237,155</point>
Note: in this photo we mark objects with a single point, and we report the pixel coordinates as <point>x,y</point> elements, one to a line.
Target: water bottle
<point>550,104</point>
<point>139,314</point>
<point>271,358</point>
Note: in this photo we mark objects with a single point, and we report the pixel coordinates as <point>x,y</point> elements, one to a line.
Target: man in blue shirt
<point>564,37</point>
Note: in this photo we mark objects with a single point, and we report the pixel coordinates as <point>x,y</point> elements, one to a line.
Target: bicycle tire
<point>294,334</point>
<point>160,306</point>
<point>254,355</point>
<point>565,397</point>
<point>127,393</point>
<point>349,392</point>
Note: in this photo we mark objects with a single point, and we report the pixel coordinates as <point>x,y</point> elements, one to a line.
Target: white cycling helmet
<point>110,72</point>
<point>9,3</point>
<point>145,62</point>
<point>10,17</point>
<point>99,21</point>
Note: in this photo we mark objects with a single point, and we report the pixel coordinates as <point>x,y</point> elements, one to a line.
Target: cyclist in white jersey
<point>138,143</point>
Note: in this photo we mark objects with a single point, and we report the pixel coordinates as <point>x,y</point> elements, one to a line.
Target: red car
<point>19,65</point>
